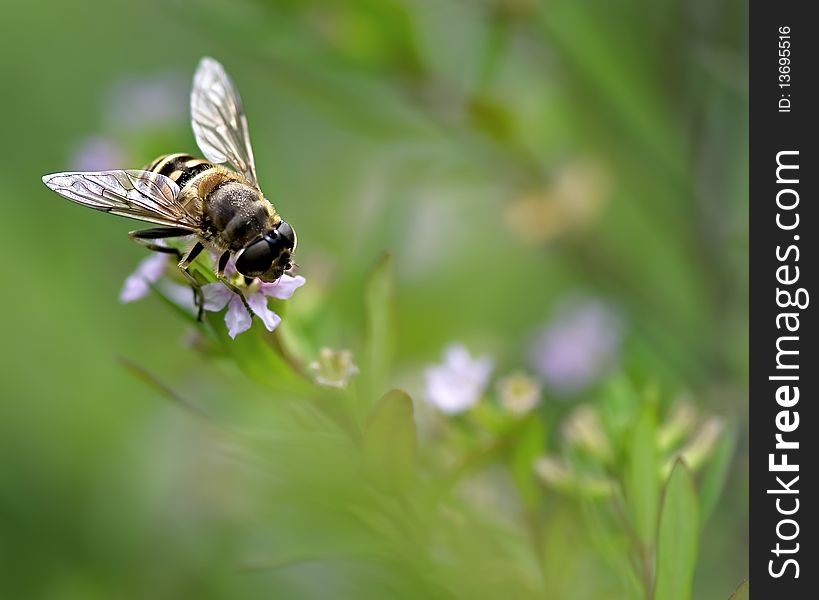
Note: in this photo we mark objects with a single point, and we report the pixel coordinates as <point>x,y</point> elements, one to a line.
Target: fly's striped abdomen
<point>181,168</point>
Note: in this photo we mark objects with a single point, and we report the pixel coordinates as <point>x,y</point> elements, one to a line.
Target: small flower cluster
<point>589,457</point>
<point>217,295</point>
<point>460,381</point>
<point>332,368</point>
<point>256,293</point>
<point>574,350</point>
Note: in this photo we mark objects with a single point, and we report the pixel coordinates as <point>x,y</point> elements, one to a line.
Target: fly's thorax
<point>234,212</point>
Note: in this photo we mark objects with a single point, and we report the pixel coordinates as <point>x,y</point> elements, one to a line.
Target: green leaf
<point>390,442</point>
<point>678,537</point>
<point>741,593</point>
<point>642,485</point>
<point>715,474</point>
<point>378,341</point>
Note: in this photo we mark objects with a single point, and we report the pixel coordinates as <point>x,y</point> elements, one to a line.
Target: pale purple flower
<point>98,153</point>
<point>579,345</point>
<point>147,273</point>
<point>180,294</point>
<point>217,295</point>
<point>458,383</point>
<point>148,101</point>
<point>237,318</point>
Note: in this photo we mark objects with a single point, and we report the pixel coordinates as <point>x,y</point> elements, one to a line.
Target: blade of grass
<point>164,390</point>
<point>713,479</point>
<point>742,592</point>
<point>678,537</point>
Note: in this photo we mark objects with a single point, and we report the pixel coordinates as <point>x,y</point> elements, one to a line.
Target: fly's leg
<point>223,261</point>
<point>184,266</point>
<point>143,237</point>
<point>238,292</point>
<point>220,273</point>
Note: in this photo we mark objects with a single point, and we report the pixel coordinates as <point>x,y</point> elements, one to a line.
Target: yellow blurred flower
<point>333,368</point>
<point>518,393</point>
<point>573,200</point>
<point>583,430</point>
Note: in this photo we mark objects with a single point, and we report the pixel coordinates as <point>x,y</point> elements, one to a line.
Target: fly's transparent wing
<point>219,121</point>
<point>136,194</point>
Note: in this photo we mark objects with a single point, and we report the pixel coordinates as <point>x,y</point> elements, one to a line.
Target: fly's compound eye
<point>288,235</point>
<point>256,258</point>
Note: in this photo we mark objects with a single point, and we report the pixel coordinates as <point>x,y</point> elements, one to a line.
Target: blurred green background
<point>510,154</point>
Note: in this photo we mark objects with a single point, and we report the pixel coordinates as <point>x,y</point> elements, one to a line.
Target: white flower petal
<point>283,287</point>
<point>482,369</point>
<point>258,304</point>
<point>237,318</point>
<point>445,394</point>
<point>217,295</point>
<point>181,295</point>
<point>457,384</point>
<point>230,267</point>
<point>457,357</point>
<point>148,272</point>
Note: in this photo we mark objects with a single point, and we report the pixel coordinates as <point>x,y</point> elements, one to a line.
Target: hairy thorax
<point>233,212</point>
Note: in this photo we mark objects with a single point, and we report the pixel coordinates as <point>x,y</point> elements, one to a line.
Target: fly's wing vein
<point>138,195</point>
<point>218,120</point>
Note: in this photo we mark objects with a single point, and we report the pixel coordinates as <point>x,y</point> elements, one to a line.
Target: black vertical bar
<point>783,68</point>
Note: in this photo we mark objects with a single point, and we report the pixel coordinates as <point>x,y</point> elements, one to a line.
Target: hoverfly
<point>224,209</point>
